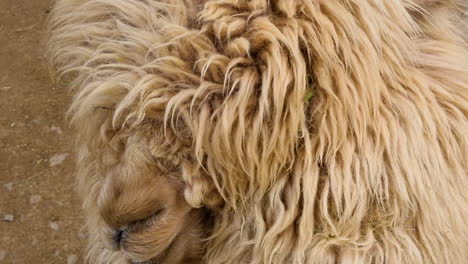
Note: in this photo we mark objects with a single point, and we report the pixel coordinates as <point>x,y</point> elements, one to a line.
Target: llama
<point>280,131</point>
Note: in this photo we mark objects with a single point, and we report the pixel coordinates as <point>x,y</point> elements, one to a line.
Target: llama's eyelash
<point>138,225</point>
<point>144,262</point>
<point>144,223</point>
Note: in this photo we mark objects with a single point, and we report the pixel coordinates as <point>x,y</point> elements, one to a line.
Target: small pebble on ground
<point>8,218</point>
<point>72,259</point>
<point>35,199</point>
<point>9,186</point>
<point>6,88</point>
<point>57,159</point>
<point>56,129</point>
<point>54,226</point>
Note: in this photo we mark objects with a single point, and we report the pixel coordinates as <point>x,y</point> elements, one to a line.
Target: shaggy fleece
<point>317,131</point>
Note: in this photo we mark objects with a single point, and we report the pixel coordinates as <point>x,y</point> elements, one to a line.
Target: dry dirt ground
<point>40,218</point>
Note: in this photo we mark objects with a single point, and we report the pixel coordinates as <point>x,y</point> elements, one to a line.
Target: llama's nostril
<point>119,236</point>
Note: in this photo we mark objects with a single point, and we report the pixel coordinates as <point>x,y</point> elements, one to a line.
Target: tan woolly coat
<point>315,131</point>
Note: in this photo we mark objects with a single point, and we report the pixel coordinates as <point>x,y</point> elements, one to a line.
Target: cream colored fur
<point>315,131</point>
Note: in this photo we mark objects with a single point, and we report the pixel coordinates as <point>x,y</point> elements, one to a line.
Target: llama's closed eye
<point>148,221</point>
<point>139,225</point>
<point>144,239</point>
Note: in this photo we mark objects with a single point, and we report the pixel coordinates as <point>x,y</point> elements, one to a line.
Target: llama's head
<point>257,112</point>
<point>141,210</point>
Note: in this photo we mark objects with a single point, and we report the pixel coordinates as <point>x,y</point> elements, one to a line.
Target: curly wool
<point>316,131</point>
